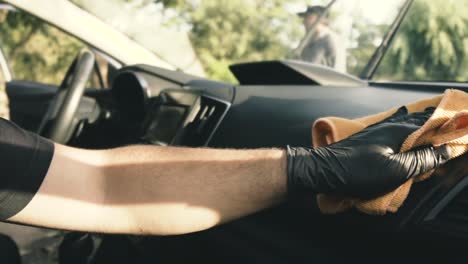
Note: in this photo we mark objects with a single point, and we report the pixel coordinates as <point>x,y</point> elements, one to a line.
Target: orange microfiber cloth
<point>448,125</point>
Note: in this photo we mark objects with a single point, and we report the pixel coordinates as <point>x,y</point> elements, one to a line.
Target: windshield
<point>205,37</point>
<point>431,44</point>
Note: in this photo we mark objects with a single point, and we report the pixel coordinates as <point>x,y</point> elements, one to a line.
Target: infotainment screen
<point>164,123</point>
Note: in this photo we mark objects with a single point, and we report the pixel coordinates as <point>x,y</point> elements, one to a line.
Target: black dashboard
<point>170,108</point>
<point>167,111</point>
<point>150,105</point>
<point>173,108</point>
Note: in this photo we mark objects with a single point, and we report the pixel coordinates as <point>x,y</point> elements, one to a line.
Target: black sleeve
<point>24,160</point>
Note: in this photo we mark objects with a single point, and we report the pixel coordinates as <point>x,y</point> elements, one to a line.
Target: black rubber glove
<point>366,164</point>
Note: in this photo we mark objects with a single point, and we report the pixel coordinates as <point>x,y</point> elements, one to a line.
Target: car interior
<point>272,104</point>
<point>151,105</point>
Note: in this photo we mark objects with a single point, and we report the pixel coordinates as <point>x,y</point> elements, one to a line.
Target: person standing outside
<point>321,48</point>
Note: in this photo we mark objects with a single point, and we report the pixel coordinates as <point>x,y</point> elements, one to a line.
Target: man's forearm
<point>155,190</point>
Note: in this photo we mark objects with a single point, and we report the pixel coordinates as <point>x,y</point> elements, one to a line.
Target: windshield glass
<point>431,44</point>
<point>205,37</point>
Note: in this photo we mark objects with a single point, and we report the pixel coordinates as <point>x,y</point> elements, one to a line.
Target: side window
<point>39,52</point>
<point>4,110</point>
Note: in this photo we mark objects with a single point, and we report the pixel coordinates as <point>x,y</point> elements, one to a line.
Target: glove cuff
<point>300,170</point>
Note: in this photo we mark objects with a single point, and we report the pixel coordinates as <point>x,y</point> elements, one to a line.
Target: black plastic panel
<point>28,102</point>
<point>291,72</point>
<point>295,232</point>
<point>268,116</point>
<point>269,73</point>
<point>158,78</point>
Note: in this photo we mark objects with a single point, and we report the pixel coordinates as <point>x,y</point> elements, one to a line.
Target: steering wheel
<point>59,119</point>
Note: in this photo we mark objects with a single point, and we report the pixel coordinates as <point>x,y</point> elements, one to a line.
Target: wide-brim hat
<point>312,10</point>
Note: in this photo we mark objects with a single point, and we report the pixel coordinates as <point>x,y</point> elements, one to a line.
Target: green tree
<point>35,50</point>
<point>431,44</point>
<point>366,43</point>
<point>224,32</point>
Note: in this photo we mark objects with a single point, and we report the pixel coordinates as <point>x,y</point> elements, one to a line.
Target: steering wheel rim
<point>58,120</point>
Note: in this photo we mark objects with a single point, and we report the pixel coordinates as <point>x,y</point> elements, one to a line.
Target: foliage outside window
<point>431,44</point>
<point>35,50</point>
<point>225,32</point>
<point>39,52</point>
<point>4,110</point>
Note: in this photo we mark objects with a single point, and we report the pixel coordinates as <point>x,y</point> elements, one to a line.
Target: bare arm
<point>154,190</point>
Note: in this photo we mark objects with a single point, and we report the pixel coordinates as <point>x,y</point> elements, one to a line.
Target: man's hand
<point>368,163</point>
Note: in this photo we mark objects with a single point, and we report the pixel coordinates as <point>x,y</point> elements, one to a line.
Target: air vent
<point>202,122</point>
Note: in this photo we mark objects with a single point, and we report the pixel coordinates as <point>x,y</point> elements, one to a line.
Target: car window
<point>4,110</point>
<point>431,44</point>
<point>360,26</point>
<point>213,34</point>
<point>39,52</point>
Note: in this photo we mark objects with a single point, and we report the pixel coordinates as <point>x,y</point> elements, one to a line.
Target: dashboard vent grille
<point>206,116</point>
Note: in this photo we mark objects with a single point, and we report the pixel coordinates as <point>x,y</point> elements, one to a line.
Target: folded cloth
<point>447,125</point>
